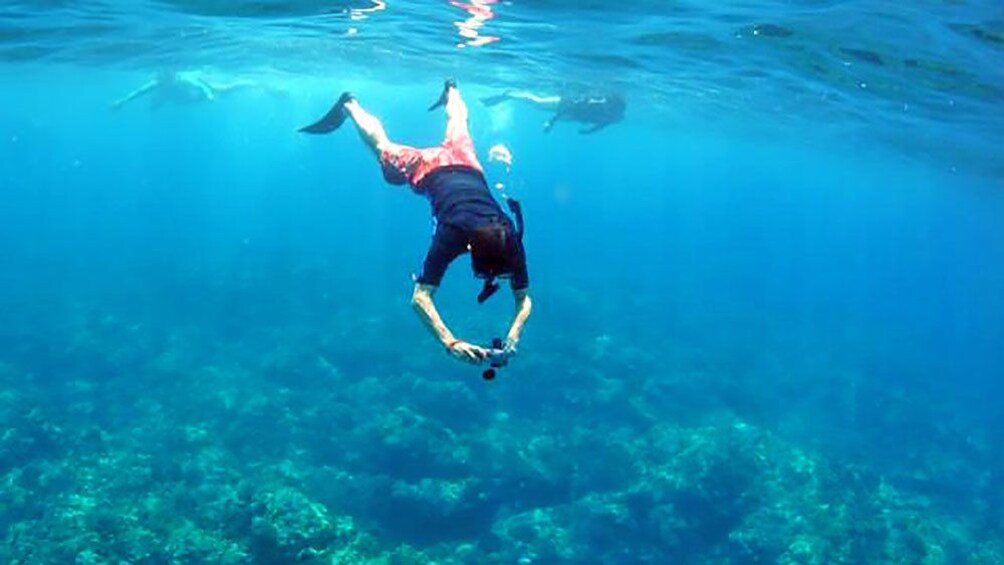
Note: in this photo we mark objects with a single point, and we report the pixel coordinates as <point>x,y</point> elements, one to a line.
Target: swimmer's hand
<point>511,347</point>
<point>463,351</point>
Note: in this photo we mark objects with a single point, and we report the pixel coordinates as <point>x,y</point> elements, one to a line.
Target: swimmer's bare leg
<point>456,115</point>
<point>141,91</point>
<point>456,110</point>
<point>369,127</point>
<point>543,102</point>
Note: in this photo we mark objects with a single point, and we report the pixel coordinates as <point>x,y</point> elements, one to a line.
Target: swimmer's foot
<point>447,85</point>
<point>333,119</point>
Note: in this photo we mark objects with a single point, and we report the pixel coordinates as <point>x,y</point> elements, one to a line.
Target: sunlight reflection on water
<point>363,13</point>
<point>480,12</point>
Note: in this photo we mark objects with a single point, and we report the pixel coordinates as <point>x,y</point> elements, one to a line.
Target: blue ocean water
<point>768,318</point>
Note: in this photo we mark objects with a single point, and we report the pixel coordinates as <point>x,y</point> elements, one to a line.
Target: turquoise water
<point>768,305</point>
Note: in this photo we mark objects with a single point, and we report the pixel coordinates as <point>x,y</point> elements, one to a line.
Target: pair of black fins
<point>336,115</point>
<point>596,111</point>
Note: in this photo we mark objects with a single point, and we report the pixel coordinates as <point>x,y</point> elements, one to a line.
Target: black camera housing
<point>497,358</point>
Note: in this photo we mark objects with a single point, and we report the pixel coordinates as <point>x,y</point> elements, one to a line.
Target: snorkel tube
<point>497,358</point>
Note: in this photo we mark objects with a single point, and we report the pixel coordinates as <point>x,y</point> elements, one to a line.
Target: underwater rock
<point>408,446</point>
<point>286,523</point>
<point>452,403</point>
<point>736,492</point>
<point>27,434</point>
<point>536,536</point>
<point>188,543</point>
<point>595,529</point>
<point>199,458</point>
<point>433,511</point>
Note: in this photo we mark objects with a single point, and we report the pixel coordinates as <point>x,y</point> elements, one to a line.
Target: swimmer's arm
<point>208,89</point>
<point>141,91</point>
<point>421,301</point>
<point>523,307</point>
<point>227,87</point>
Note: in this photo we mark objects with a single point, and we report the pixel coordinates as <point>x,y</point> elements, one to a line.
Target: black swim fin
<point>332,120</point>
<point>447,85</point>
<point>494,100</point>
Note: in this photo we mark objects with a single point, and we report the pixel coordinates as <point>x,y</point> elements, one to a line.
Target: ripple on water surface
<point>878,64</point>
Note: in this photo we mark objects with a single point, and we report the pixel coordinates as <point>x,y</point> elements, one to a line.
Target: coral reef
<point>145,445</point>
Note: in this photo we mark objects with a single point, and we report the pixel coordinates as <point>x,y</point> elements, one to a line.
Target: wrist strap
<point>452,343</point>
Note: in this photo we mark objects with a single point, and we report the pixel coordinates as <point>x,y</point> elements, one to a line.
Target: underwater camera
<point>497,358</point>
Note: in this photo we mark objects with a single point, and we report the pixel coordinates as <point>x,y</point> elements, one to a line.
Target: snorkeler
<point>467,216</point>
<point>598,111</point>
<point>172,87</point>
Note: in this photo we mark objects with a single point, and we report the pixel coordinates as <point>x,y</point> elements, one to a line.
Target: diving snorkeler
<point>173,87</point>
<point>468,218</point>
<point>598,111</point>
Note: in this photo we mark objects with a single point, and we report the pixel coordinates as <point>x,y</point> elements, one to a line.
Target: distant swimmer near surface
<point>188,87</point>
<point>598,111</point>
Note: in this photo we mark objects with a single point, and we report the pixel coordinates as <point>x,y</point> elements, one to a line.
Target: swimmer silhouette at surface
<point>185,87</point>
<point>597,111</point>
